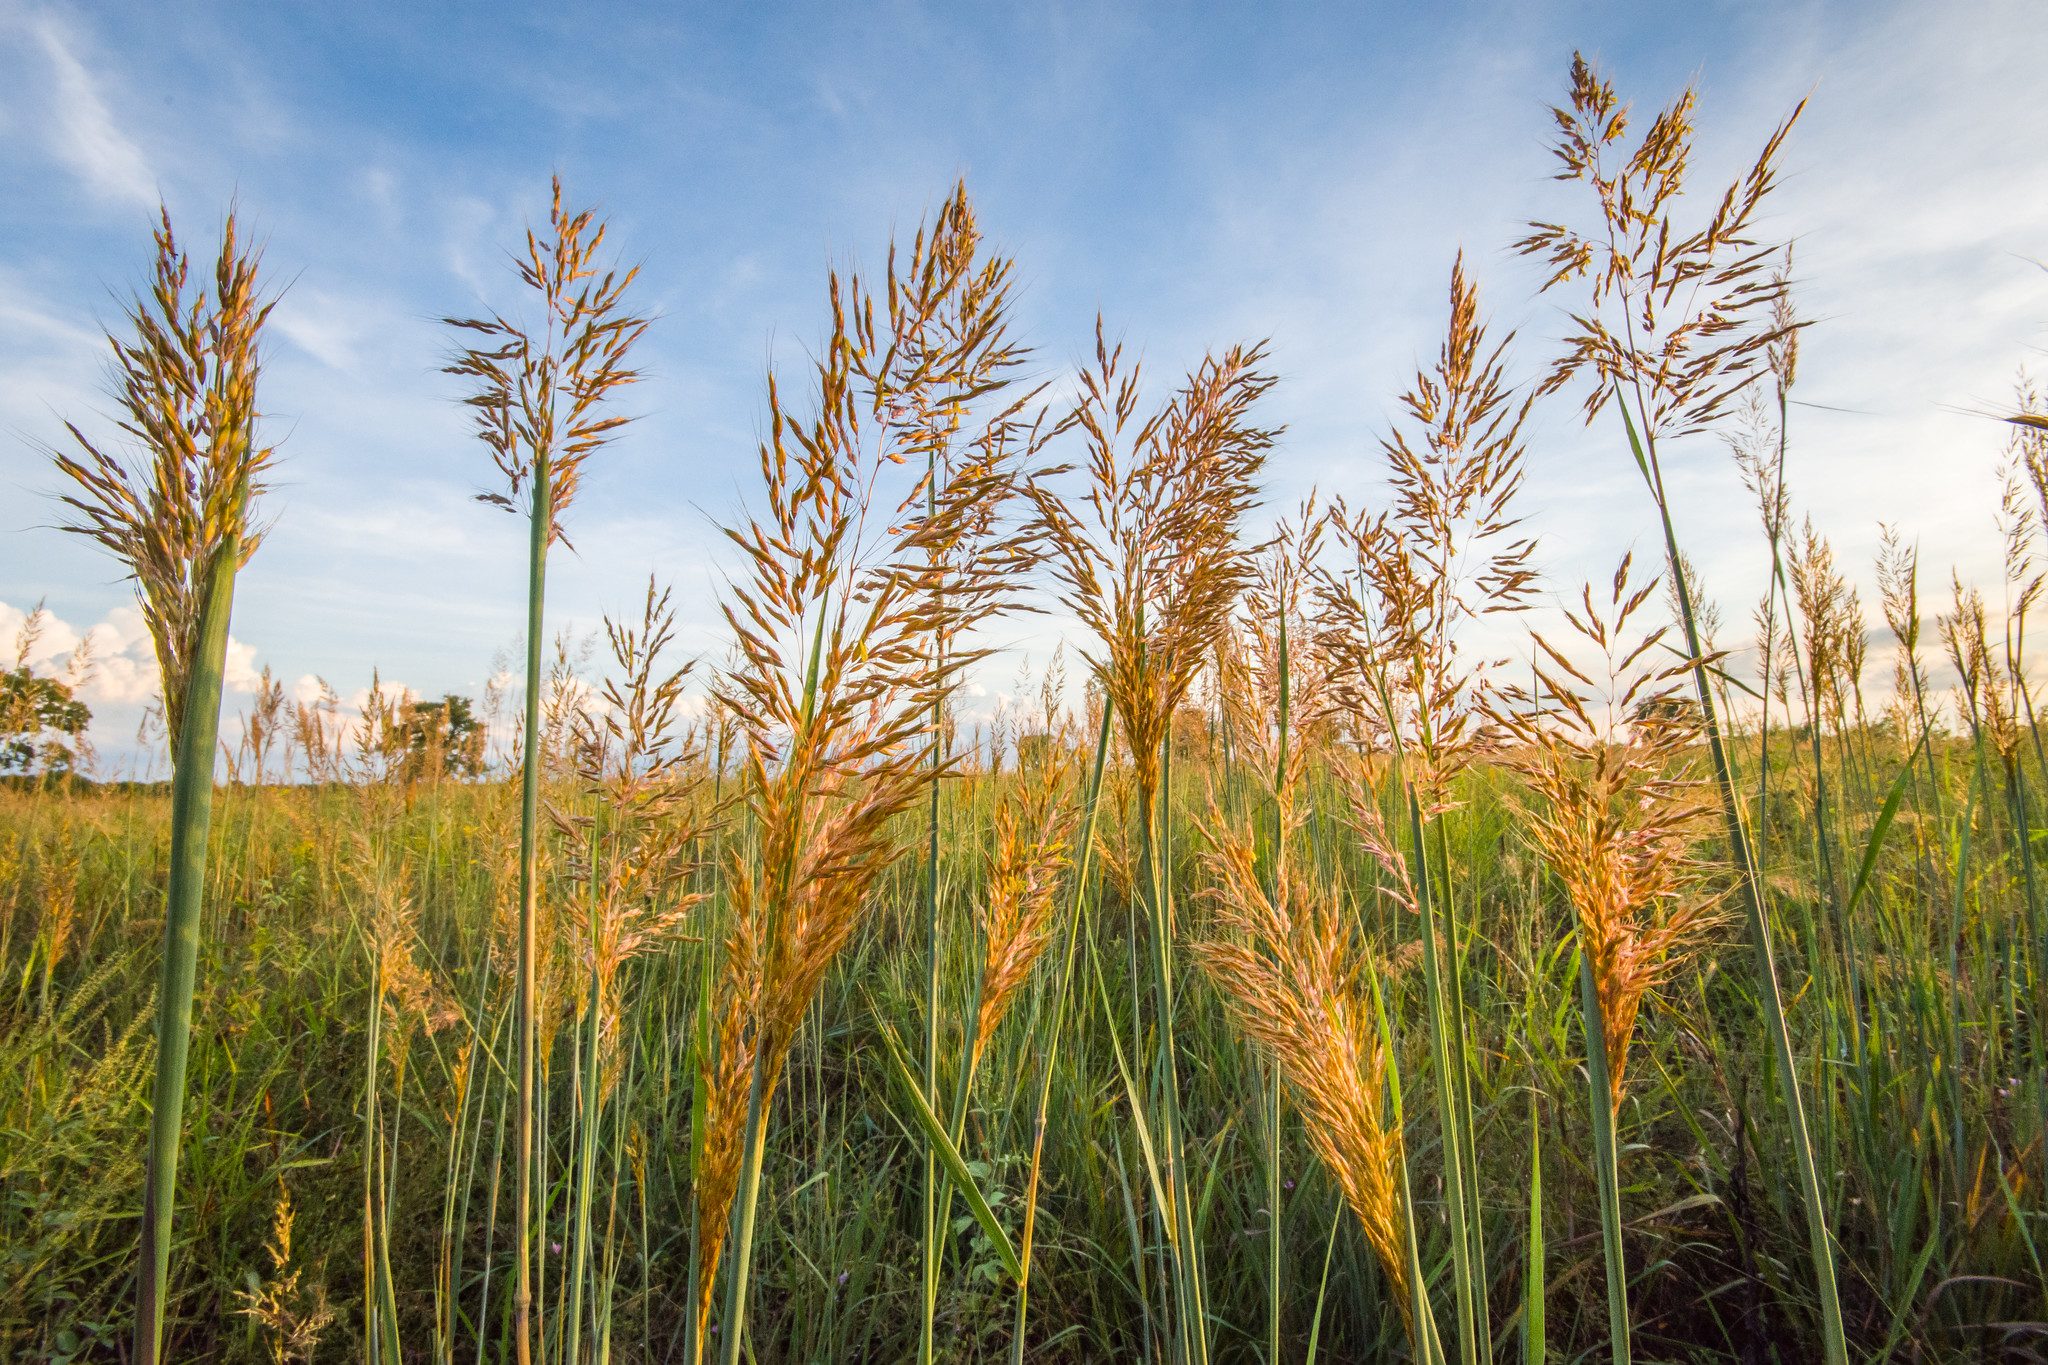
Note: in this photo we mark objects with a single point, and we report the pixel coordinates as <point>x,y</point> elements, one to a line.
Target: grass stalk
<point>191,817</point>
<point>1770,996</point>
<point>1606,1158</point>
<point>540,518</point>
<point>1443,1035</point>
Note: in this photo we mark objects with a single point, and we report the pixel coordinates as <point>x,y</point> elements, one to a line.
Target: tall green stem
<point>934,1248</point>
<point>1076,931</point>
<point>1606,1156</point>
<point>743,1218</point>
<point>529,899</point>
<point>1443,1035</point>
<point>1821,1241</point>
<point>191,816</point>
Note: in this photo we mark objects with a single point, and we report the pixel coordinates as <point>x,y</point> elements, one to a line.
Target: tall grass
<point>1232,1008</point>
<point>179,523</point>
<point>540,401</point>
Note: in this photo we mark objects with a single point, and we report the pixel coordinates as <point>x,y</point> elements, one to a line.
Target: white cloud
<point>241,674</point>
<point>84,135</point>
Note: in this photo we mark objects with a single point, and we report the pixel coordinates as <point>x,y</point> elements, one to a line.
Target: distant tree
<point>441,738</point>
<point>41,723</point>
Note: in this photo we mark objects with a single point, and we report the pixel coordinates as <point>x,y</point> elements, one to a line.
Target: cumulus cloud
<point>120,665</point>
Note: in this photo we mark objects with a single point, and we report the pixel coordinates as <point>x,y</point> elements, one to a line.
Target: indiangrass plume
<point>1898,583</point>
<point>1274,679</point>
<point>1297,982</point>
<point>1032,831</point>
<point>1614,814</point>
<point>1831,620</point>
<point>179,522</point>
<point>845,596</point>
<point>186,385</point>
<point>1617,807</point>
<point>540,400</point>
<point>1447,552</point>
<point>1150,559</point>
<point>644,777</point>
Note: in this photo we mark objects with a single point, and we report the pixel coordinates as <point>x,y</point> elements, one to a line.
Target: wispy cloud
<point>83,133</point>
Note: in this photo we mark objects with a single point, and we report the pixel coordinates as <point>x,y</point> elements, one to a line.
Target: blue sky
<point>1199,175</point>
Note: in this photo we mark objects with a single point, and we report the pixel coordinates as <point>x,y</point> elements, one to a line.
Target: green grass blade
<point>1315,1323</point>
<point>949,1156</point>
<point>1453,1123</point>
<point>1883,825</point>
<point>1820,1239</point>
<point>539,529</point>
<point>1606,1163</point>
<point>1535,1348</point>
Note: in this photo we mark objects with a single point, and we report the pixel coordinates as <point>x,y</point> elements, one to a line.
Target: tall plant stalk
<point>179,522</point>
<point>540,405</point>
<point>1393,623</point>
<point>1153,569</point>
<point>850,591</point>
<point>1679,323</point>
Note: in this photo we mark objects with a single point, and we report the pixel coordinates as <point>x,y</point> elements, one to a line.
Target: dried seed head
<point>1684,319</point>
<point>1151,561</point>
<point>541,389</point>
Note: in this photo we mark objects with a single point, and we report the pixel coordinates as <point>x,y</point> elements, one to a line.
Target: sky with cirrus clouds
<point>1198,174</point>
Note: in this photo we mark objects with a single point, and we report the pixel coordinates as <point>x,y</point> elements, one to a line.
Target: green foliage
<point>41,723</point>
<point>436,737</point>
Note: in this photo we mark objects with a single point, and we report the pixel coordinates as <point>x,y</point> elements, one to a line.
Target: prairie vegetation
<point>1288,979</point>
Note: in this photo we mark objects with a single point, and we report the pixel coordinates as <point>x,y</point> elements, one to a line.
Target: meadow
<point>1286,980</point>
